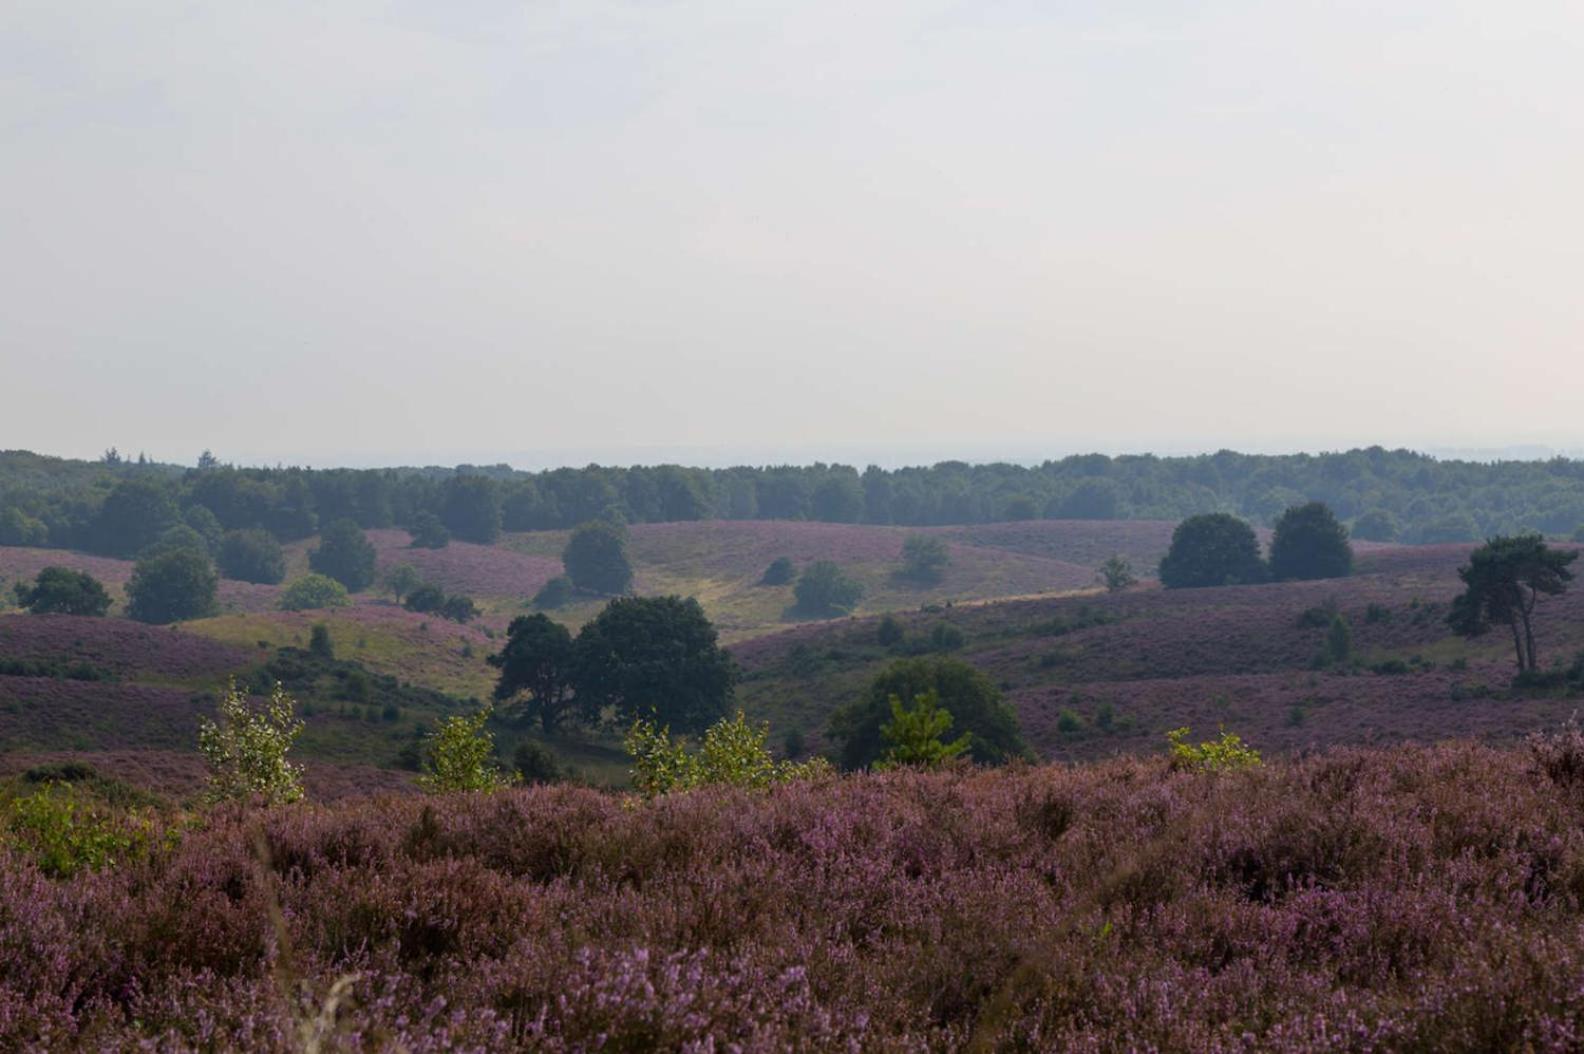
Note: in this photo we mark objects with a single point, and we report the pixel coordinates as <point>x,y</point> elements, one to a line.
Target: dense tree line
<point>121,506</point>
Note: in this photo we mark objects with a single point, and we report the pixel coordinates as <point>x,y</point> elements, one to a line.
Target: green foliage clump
<point>924,558</point>
<point>731,753</point>
<point>1116,574</point>
<point>1310,543</point>
<point>1339,641</point>
<point>975,704</point>
<point>461,756</point>
<point>252,555</point>
<point>345,554</point>
<point>18,528</point>
<point>1503,582</point>
<point>1214,549</point>
<point>313,592</point>
<point>320,646</point>
<point>1376,525</point>
<point>172,585</point>
<point>654,659</point>
<point>824,589</point>
<point>65,830</point>
<point>62,591</point>
<point>470,507</point>
<point>535,764</point>
<point>555,593</point>
<point>245,749</point>
<point>537,662</point>
<point>779,573</point>
<point>401,580</point>
<point>1214,755</point>
<point>595,558</point>
<point>428,532</point>
<point>913,735</point>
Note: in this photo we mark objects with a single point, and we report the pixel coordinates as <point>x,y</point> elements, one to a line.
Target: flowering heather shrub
<point>1407,899</point>
<point>246,749</point>
<point>732,753</point>
<point>1214,755</point>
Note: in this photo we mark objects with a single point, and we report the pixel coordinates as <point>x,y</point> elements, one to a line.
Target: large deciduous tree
<point>62,591</point>
<point>345,555</point>
<point>1213,549</point>
<point>974,702</point>
<point>172,585</point>
<point>536,662</point>
<point>655,659</point>
<point>596,558</point>
<point>1503,582</point>
<point>1310,543</point>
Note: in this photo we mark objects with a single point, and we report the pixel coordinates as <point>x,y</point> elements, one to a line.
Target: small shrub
<point>1068,723</point>
<point>914,735</point>
<point>319,643</point>
<point>779,573</point>
<point>732,753</point>
<point>66,831</point>
<point>889,633</point>
<point>1215,755</point>
<point>1390,668</point>
<point>312,592</point>
<point>535,764</point>
<point>1377,613</point>
<point>425,599</point>
<point>945,637</point>
<point>461,756</point>
<point>246,749</point>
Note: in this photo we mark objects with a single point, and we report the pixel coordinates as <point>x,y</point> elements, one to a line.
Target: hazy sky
<point>540,232</point>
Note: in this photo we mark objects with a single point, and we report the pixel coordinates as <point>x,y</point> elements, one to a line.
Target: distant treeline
<point>116,506</point>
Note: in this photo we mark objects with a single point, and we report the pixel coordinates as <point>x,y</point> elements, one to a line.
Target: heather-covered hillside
<point>1404,899</point>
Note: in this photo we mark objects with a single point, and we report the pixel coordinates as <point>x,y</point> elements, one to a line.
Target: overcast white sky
<point>537,232</point>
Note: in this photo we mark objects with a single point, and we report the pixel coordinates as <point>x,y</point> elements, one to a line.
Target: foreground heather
<point>1417,898</point>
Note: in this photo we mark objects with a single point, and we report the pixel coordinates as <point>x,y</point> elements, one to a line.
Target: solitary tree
<point>61,591</point>
<point>401,580</point>
<point>596,558</point>
<point>345,555</point>
<point>172,585</point>
<point>655,659</point>
<point>824,589</point>
<point>924,558</point>
<point>1504,581</point>
<point>1213,549</point>
<point>311,592</point>
<point>779,573</point>
<point>428,532</point>
<point>1310,543</point>
<point>1117,574</point>
<point>461,757</point>
<point>536,661</point>
<point>246,749</point>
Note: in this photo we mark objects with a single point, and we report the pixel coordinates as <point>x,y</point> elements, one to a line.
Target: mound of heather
<point>118,646</point>
<point>462,567</point>
<point>1414,899</point>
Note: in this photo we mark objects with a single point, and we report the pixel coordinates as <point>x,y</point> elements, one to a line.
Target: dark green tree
<point>779,573</point>
<point>18,528</point>
<point>1503,582</point>
<point>401,580</point>
<point>535,663</point>
<point>470,507</point>
<point>1213,549</point>
<point>654,658</point>
<point>425,599</point>
<point>839,499</point>
<point>172,585</point>
<point>1376,525</point>
<point>200,519</point>
<point>1116,573</point>
<point>824,590</point>
<point>252,555</point>
<point>924,558</point>
<point>596,558</point>
<point>428,532</point>
<point>1093,499</point>
<point>967,694</point>
<point>133,516</point>
<point>345,555</point>
<point>62,591</point>
<point>1310,543</point>
<point>555,593</point>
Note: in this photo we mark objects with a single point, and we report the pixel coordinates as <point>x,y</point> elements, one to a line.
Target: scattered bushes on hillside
<point>344,554</point>
<point>1310,543</point>
<point>313,592</point>
<point>779,573</point>
<point>595,558</point>
<point>974,703</point>
<point>245,749</point>
<point>62,591</point>
<point>825,590</point>
<point>1212,550</point>
<point>252,555</point>
<point>429,599</point>
<point>732,753</point>
<point>172,586</point>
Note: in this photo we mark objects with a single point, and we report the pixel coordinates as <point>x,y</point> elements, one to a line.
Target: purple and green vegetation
<point>1423,898</point>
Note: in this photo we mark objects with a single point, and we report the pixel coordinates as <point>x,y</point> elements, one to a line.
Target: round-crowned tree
<point>596,558</point>
<point>1214,549</point>
<point>536,663</point>
<point>428,532</point>
<point>252,555</point>
<point>656,659</point>
<point>171,585</point>
<point>311,592</point>
<point>825,590</point>
<point>1310,543</point>
<point>62,591</point>
<point>967,694</point>
<point>345,555</point>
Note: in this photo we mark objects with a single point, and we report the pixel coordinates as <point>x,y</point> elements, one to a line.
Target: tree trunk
<point>1518,646</point>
